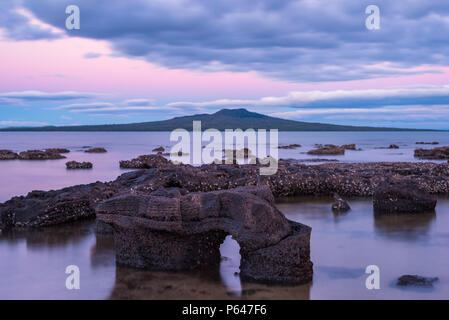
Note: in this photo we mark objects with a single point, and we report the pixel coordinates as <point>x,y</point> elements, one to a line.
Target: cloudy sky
<point>142,60</point>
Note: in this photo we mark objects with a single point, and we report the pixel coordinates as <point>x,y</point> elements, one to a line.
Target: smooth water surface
<point>33,263</point>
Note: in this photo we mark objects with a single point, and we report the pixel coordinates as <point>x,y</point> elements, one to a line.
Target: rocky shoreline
<point>292,178</point>
<point>181,206</point>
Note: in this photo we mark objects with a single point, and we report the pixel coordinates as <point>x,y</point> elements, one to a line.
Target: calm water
<point>342,246</point>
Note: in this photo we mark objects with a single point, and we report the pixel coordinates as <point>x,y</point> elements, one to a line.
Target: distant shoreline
<point>221,120</point>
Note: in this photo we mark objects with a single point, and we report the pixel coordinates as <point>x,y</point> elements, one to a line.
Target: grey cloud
<point>18,26</point>
<point>297,40</point>
<point>39,95</point>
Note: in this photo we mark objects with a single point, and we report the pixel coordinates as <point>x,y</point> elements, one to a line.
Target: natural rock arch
<point>167,230</point>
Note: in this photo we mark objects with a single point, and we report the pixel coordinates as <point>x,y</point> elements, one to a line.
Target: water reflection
<point>409,227</point>
<point>102,253</point>
<point>341,248</point>
<point>35,262</point>
<point>52,237</point>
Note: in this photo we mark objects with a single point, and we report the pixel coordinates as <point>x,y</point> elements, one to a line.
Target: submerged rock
<point>146,162</point>
<point>40,208</point>
<point>290,146</point>
<point>402,197</point>
<point>349,146</point>
<point>440,153</point>
<point>291,178</point>
<point>416,281</point>
<point>8,155</point>
<point>57,150</point>
<point>434,142</point>
<point>159,149</point>
<point>328,150</point>
<point>78,165</point>
<point>340,205</point>
<point>96,150</point>
<point>40,155</point>
<point>166,230</point>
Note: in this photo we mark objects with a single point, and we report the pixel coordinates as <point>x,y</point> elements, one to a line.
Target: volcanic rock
<point>434,142</point>
<point>291,179</point>
<point>96,150</point>
<point>328,150</point>
<point>8,155</point>
<point>159,149</point>
<point>57,150</point>
<point>290,146</point>
<point>146,162</point>
<point>39,208</point>
<point>340,205</point>
<point>440,153</point>
<point>349,146</point>
<point>402,197</point>
<point>40,155</point>
<point>78,165</point>
<point>181,232</point>
<point>416,281</point>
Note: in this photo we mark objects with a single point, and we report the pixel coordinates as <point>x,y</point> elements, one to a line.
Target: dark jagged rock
<point>72,165</point>
<point>340,205</point>
<point>440,153</point>
<point>346,179</point>
<point>313,160</point>
<point>146,162</point>
<point>434,142</point>
<point>40,209</point>
<point>96,150</point>
<point>416,281</point>
<point>159,149</point>
<point>8,155</point>
<point>40,155</point>
<point>402,197</point>
<point>349,146</point>
<point>328,150</point>
<point>393,146</point>
<point>166,230</point>
<point>57,150</point>
<point>232,155</point>
<point>290,146</point>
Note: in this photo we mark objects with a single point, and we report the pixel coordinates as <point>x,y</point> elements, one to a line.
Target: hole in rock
<point>230,265</point>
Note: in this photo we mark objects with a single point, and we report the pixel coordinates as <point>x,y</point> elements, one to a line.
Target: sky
<point>145,60</point>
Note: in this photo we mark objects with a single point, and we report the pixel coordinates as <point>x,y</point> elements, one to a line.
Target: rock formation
<point>401,197</point>
<point>159,149</point>
<point>440,153</point>
<point>346,179</point>
<point>8,155</point>
<point>166,230</point>
<point>40,155</point>
<point>290,146</point>
<point>340,205</point>
<point>57,150</point>
<point>328,149</point>
<point>146,162</point>
<point>422,142</point>
<point>96,150</point>
<point>416,281</point>
<point>72,165</point>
